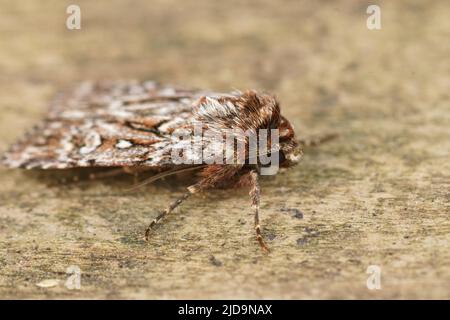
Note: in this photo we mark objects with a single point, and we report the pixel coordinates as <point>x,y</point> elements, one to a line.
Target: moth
<point>129,126</point>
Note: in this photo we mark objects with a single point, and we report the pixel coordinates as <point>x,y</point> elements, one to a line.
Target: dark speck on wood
<point>214,261</point>
<point>296,213</point>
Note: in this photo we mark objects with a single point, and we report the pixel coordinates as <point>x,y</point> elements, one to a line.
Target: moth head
<point>290,151</point>
<point>250,110</point>
<point>266,114</point>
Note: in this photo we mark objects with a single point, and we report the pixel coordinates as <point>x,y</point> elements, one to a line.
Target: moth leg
<point>255,195</point>
<point>165,212</point>
<point>211,176</point>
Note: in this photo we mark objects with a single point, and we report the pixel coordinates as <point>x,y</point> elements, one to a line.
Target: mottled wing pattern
<point>107,124</point>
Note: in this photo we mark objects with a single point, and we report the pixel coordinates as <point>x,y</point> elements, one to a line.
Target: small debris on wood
<point>214,261</point>
<point>296,213</point>
<point>48,283</point>
<point>302,241</point>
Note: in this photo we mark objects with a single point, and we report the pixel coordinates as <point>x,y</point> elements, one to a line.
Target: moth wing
<point>106,124</point>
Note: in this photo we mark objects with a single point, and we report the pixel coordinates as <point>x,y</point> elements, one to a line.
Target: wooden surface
<point>378,195</point>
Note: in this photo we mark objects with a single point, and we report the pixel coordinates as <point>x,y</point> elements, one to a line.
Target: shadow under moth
<point>131,126</point>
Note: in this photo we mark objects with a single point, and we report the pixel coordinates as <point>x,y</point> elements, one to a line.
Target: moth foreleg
<point>165,212</point>
<point>255,195</point>
<point>212,176</point>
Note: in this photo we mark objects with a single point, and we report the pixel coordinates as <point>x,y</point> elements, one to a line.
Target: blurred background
<point>377,195</point>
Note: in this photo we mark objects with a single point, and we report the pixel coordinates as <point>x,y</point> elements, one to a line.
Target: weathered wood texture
<point>378,195</point>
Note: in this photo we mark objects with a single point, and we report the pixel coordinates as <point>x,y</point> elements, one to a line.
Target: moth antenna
<point>318,140</point>
<point>162,175</point>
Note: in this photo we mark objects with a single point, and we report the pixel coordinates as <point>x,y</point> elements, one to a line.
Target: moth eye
<point>281,157</point>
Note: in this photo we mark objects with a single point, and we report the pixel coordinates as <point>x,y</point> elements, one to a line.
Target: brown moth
<point>130,126</point>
